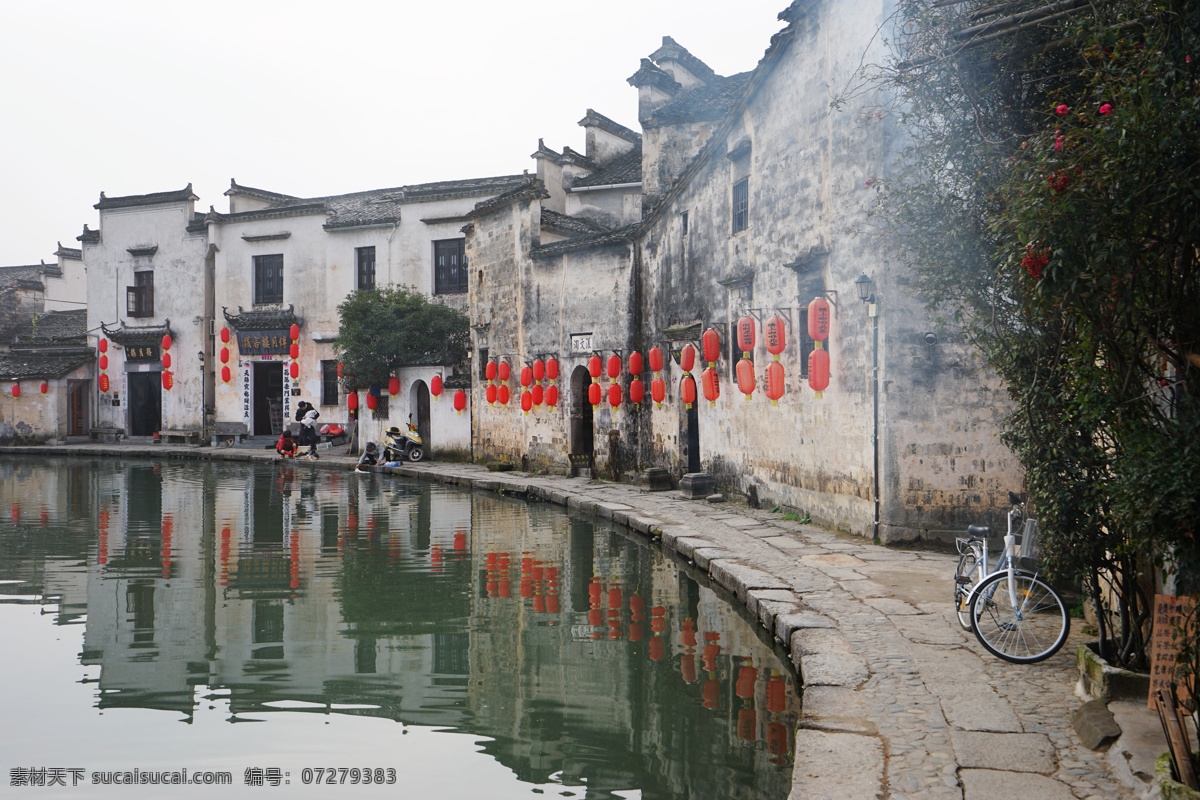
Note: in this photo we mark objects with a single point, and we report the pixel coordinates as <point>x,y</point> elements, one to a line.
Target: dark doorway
<point>582,443</point>
<point>418,399</point>
<point>145,403</point>
<point>77,407</point>
<point>268,399</point>
<point>693,435</point>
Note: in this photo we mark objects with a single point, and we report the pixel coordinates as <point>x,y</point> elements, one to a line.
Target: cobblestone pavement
<point>899,702</point>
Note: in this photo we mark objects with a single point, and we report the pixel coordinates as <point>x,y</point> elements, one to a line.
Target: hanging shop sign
<point>143,353</point>
<point>264,343</point>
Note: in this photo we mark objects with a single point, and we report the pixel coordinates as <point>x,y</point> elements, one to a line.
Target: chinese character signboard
<point>1170,614</point>
<point>142,353</point>
<point>263,343</point>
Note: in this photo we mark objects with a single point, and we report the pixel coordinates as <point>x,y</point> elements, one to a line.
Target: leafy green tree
<point>1050,205</point>
<point>396,326</point>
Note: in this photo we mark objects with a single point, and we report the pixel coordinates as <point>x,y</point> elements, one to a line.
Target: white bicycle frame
<point>1009,559</point>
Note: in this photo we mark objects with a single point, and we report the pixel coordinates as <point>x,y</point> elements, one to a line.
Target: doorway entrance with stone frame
<point>267,398</point>
<point>418,409</point>
<point>145,403</point>
<point>77,407</point>
<point>582,446</point>
<point>690,422</point>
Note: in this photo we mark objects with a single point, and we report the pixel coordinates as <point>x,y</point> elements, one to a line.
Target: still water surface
<point>270,622</point>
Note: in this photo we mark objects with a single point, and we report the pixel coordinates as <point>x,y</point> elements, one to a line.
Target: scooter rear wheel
<point>416,454</point>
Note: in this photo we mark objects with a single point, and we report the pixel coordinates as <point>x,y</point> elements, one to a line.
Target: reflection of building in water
<point>576,652</point>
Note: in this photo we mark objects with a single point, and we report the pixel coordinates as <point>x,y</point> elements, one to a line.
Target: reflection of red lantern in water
<point>595,618</point>
<point>777,739</point>
<point>776,693</point>
<point>657,648</point>
<point>712,693</point>
<point>687,667</point>
<point>688,636</point>
<point>747,677</point>
<point>635,631</point>
<point>747,724</point>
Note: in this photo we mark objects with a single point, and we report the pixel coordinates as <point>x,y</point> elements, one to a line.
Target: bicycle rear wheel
<point>1031,631</point>
<point>964,578</point>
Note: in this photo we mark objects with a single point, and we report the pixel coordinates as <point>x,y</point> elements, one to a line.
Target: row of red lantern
<point>294,351</point>
<point>16,388</point>
<point>460,397</point>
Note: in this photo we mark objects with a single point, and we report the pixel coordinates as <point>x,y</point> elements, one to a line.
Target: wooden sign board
<point>1170,613</point>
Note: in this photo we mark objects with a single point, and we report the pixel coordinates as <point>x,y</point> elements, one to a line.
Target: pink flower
<point>1058,143</point>
<point>1063,109</point>
<point>1187,59</point>
<point>1106,108</point>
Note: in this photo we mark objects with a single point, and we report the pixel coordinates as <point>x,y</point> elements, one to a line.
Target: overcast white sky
<point>313,98</point>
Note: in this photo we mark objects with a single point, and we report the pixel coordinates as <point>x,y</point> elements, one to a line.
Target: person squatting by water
<point>369,458</point>
<point>286,446</point>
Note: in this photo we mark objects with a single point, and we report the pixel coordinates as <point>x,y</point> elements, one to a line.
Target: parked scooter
<point>398,446</point>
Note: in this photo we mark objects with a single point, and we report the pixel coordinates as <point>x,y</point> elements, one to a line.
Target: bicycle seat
<point>978,531</point>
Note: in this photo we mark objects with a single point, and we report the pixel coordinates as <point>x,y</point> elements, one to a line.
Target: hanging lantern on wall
<point>166,360</point>
<point>594,368</point>
<point>435,387</point>
<point>776,335</point>
<point>774,382</point>
<point>712,346</point>
<point>45,387</point>
<point>352,401</point>
<point>225,358</point>
<point>552,369</point>
<point>226,374</point>
<point>294,370</point>
<point>103,345</point>
<point>339,369</point>
<point>294,351</point>
<point>746,330</point>
<point>503,370</point>
<point>16,390</point>
<point>526,376</point>
<point>614,395</point>
<point>294,332</point>
<point>104,384</point>
<point>490,394</point>
<point>502,394</point>
<point>687,358</point>
<point>538,393</point>
<point>818,371</point>
<point>225,335</point>
<point>103,363</point>
<point>539,370</point>
<point>656,359</point>
<point>745,377</point>
<point>687,390</point>
<point>166,341</point>
<point>552,396</point>
<point>636,367</point>
<point>818,319</point>
<point>614,367</point>
<point>460,401</point>
<point>658,391</point>
<point>168,380</point>
<point>393,386</point>
<point>489,371</point>
<point>526,401</point>
<point>594,395</point>
<point>637,391</point>
<point>372,401</point>
<point>712,386</point>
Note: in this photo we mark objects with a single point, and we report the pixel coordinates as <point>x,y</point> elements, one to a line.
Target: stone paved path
<point>898,701</point>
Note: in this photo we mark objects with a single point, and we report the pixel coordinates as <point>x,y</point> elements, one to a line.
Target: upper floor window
<point>449,266</point>
<point>741,205</point>
<point>329,383</point>
<point>139,298</point>
<point>365,257</point>
<point>268,279</point>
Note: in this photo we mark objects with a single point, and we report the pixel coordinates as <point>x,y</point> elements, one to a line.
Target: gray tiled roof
<point>625,168</point>
<point>650,74</point>
<point>701,103</point>
<point>592,118</point>
<point>673,50</point>
<point>578,226</point>
<point>24,365</point>
<point>265,320</point>
<point>529,189</point>
<point>88,236</point>
<point>54,328</point>
<point>157,198</point>
<point>27,276</point>
<point>68,252</point>
<point>620,236</point>
<point>127,336</point>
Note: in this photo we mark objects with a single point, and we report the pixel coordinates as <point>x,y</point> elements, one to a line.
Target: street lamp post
<point>863,284</point>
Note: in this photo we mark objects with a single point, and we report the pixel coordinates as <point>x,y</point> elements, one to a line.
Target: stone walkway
<point>899,702</point>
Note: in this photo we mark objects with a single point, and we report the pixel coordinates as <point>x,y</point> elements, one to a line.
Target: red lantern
<point>539,370</point>
<point>776,334</point>
<point>460,401</point>
<point>658,390</point>
<point>103,363</point>
<point>45,387</point>
<point>539,394</point>
<point>226,375</point>
<point>635,363</point>
<point>614,394</point>
<point>339,369</point>
<point>104,345</point>
<point>712,346</point>
<point>294,351</point>
<point>294,370</point>
<point>168,380</point>
<point>594,368</point>
<point>637,391</point>
<point>745,334</point>
<point>818,371</point>
<point>745,377</point>
<point>712,386</point>
<point>166,360</point>
<point>490,394</point>
<point>489,371</point>
<point>526,376</point>
<point>502,394</point>
<point>225,355</point>
<point>774,382</point>
<point>552,396</point>
<point>503,370</point>
<point>104,384</point>
<point>687,389</point>
<point>594,394</point>
<point>435,386</point>
<point>552,369</point>
<point>295,332</point>
<point>225,335</point>
<point>16,390</point>
<point>687,358</point>
<point>372,401</point>
<point>656,359</point>
<point>393,386</point>
<point>614,367</point>
<point>526,401</point>
<point>818,319</point>
<point>166,342</point>
<point>352,401</point>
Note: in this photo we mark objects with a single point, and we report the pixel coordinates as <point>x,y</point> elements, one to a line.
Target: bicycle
<point>1013,613</point>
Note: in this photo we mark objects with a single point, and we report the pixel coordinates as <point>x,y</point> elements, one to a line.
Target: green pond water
<point>268,627</point>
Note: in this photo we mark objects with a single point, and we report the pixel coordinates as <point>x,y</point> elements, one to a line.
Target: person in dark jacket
<point>306,415</point>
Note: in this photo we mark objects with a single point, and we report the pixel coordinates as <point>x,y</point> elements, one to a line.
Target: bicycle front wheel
<point>1031,630</point>
<point>964,578</point>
